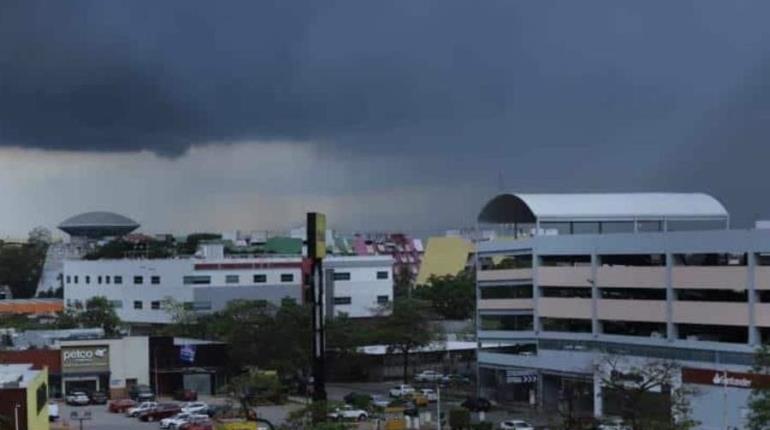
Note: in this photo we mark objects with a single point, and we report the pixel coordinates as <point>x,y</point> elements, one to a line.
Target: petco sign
<point>85,358</point>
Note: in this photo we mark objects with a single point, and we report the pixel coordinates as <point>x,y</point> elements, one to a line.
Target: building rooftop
<point>512,208</point>
<point>98,225</point>
<point>16,375</point>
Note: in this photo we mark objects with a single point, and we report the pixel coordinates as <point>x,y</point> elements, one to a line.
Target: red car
<point>197,425</point>
<point>163,410</point>
<point>120,406</point>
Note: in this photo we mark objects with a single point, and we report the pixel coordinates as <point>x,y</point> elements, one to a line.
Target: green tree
<point>99,312</point>
<point>403,282</point>
<point>759,401</point>
<point>40,236</point>
<point>451,296</point>
<point>407,328</point>
<point>21,266</point>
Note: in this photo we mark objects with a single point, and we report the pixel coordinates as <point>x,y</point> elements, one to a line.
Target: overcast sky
<point>198,115</point>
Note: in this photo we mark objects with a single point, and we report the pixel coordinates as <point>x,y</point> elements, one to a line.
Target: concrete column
<point>671,333</point>
<point>751,265</point>
<point>595,326</point>
<point>598,403</point>
<point>540,388</point>
<point>535,293</point>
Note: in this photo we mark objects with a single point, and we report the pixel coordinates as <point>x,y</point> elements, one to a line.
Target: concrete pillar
<point>595,327</point>
<point>535,293</point>
<point>540,388</point>
<point>671,333</point>
<point>598,404</point>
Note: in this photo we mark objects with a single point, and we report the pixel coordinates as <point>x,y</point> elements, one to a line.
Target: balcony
<point>505,304</point>
<point>631,277</point>
<point>504,275</point>
<point>553,307</point>
<point>711,313</point>
<point>721,277</point>
<point>632,310</point>
<point>571,276</point>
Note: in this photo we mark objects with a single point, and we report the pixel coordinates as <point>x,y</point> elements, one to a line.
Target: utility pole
<point>316,251</point>
<point>16,415</point>
<point>438,406</point>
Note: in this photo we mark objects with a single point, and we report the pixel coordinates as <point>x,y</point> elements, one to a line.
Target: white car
<point>182,418</point>
<point>144,406</point>
<point>401,390</point>
<point>614,424</point>
<point>348,412</point>
<point>516,425</point>
<point>429,393</point>
<point>380,401</point>
<point>429,376</point>
<point>77,398</point>
<point>194,407</point>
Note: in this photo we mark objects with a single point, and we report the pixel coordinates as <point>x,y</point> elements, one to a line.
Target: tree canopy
<point>21,266</point>
<point>759,400</point>
<point>452,297</point>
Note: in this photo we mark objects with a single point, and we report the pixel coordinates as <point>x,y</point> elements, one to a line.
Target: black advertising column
<point>316,251</point>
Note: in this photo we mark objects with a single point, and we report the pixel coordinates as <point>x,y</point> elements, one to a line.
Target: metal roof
<point>98,219</point>
<point>530,208</point>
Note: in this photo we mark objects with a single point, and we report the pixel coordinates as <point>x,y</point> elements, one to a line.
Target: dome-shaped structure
<point>96,225</point>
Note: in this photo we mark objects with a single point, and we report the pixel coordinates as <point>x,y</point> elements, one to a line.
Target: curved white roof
<point>511,207</point>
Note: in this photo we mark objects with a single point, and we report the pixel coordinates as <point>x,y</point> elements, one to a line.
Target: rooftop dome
<point>98,225</point>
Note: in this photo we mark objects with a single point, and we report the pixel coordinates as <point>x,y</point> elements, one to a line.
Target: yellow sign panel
<point>320,235</point>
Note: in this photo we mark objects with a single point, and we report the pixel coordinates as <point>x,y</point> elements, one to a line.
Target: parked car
<point>177,420</point>
<point>401,390</point>
<point>614,424</point>
<point>217,410</point>
<point>348,412</point>
<point>516,425</point>
<point>141,407</point>
<point>98,397</point>
<point>194,407</point>
<point>163,410</point>
<point>186,395</point>
<point>197,424</point>
<point>380,401</point>
<point>77,398</point>
<point>429,376</point>
<point>53,411</point>
<point>429,394</point>
<point>141,393</point>
<point>477,404</point>
<point>455,379</point>
<point>119,406</point>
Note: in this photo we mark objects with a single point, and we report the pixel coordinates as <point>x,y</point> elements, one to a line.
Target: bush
<point>483,426</point>
<point>459,419</point>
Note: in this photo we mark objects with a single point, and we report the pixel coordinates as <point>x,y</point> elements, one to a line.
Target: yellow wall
<point>35,420</point>
<point>444,256</point>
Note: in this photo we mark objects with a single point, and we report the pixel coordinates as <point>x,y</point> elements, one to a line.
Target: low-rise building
<point>24,396</point>
<point>362,286</point>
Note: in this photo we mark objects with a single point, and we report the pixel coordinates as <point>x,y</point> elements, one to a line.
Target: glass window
<point>287,277</point>
<point>201,306</point>
<point>155,280</point>
<point>232,279</point>
<point>341,276</point>
<point>76,279</point>
<point>137,304</point>
<point>260,278</point>
<point>117,304</point>
<point>507,292</point>
<point>155,305</point>
<point>68,279</point>
<point>138,280</point>
<point>342,300</point>
<point>88,279</point>
<point>106,279</point>
<point>382,275</point>
<point>383,299</point>
<point>99,280</point>
<point>507,322</point>
<point>196,280</point>
<point>118,280</point>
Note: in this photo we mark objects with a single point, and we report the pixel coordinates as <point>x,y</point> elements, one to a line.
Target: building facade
<point>362,286</point>
<point>638,277</point>
<point>24,396</point>
<point>141,289</point>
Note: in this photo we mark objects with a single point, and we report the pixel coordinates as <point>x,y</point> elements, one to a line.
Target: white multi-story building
<point>362,285</point>
<point>641,277</point>
<point>140,289</point>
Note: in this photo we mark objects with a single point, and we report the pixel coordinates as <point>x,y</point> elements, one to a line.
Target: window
<point>232,279</point>
<point>138,280</point>
<point>116,304</point>
<point>711,295</point>
<point>76,279</point>
<point>286,301</point>
<point>633,293</point>
<point>507,292</point>
<point>201,306</point>
<point>138,304</point>
<point>342,300</point>
<point>196,280</point>
<point>118,280</point>
<point>99,280</point>
<point>382,275</point>
<point>566,292</point>
<point>287,277</point>
<point>42,396</point>
<point>106,279</point>
<point>383,299</point>
<point>260,278</point>
<point>566,325</point>
<point>341,276</point>
<point>69,279</point>
<point>88,279</point>
<point>506,322</point>
<point>155,305</point>
<point>155,280</point>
